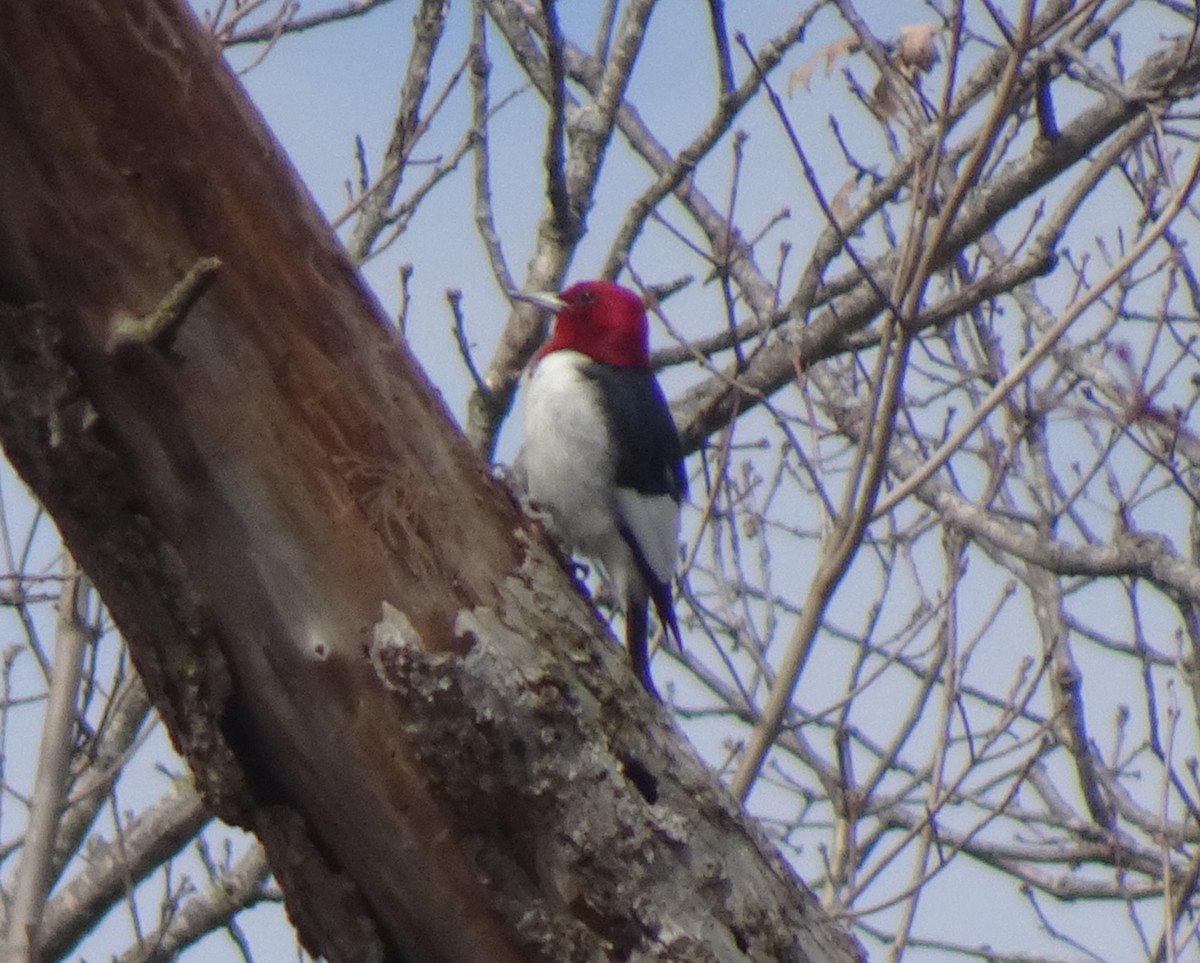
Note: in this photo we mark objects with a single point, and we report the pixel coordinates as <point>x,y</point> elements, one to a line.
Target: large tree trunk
<point>250,469</point>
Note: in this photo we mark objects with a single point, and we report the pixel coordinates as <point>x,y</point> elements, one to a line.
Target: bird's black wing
<point>649,457</point>
<point>649,461</point>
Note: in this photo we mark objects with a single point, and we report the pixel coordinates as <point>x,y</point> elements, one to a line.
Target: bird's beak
<point>547,300</point>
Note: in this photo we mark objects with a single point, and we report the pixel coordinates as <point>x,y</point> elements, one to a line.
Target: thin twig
<point>454,299</point>
<point>485,220</point>
<point>557,191</point>
<point>716,16</point>
<point>1045,344</point>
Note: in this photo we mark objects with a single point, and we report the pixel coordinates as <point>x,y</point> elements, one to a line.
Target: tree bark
<point>251,471</point>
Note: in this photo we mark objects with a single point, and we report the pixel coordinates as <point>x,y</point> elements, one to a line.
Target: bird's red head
<point>602,320</point>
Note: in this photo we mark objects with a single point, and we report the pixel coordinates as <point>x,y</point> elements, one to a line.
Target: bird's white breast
<point>569,464</point>
<point>567,457</point>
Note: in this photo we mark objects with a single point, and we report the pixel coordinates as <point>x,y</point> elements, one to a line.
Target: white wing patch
<point>654,522</point>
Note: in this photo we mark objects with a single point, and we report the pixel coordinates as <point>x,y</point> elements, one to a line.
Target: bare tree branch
<point>24,922</point>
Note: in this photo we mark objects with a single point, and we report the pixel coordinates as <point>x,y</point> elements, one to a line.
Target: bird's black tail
<point>636,628</point>
<point>664,608</point>
<point>637,643</point>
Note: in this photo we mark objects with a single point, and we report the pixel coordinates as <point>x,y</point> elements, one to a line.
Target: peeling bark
<point>477,776</point>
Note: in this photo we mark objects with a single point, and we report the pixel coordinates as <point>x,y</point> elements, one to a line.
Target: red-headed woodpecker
<point>601,454</point>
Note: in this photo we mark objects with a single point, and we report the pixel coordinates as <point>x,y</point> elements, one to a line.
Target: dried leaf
<point>830,52</point>
<point>884,99</point>
<point>913,54</point>
<point>840,205</point>
<point>916,51</point>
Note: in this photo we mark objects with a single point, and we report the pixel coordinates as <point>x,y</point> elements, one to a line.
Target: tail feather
<point>637,642</point>
<point>636,628</point>
<point>664,608</point>
<point>658,590</point>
